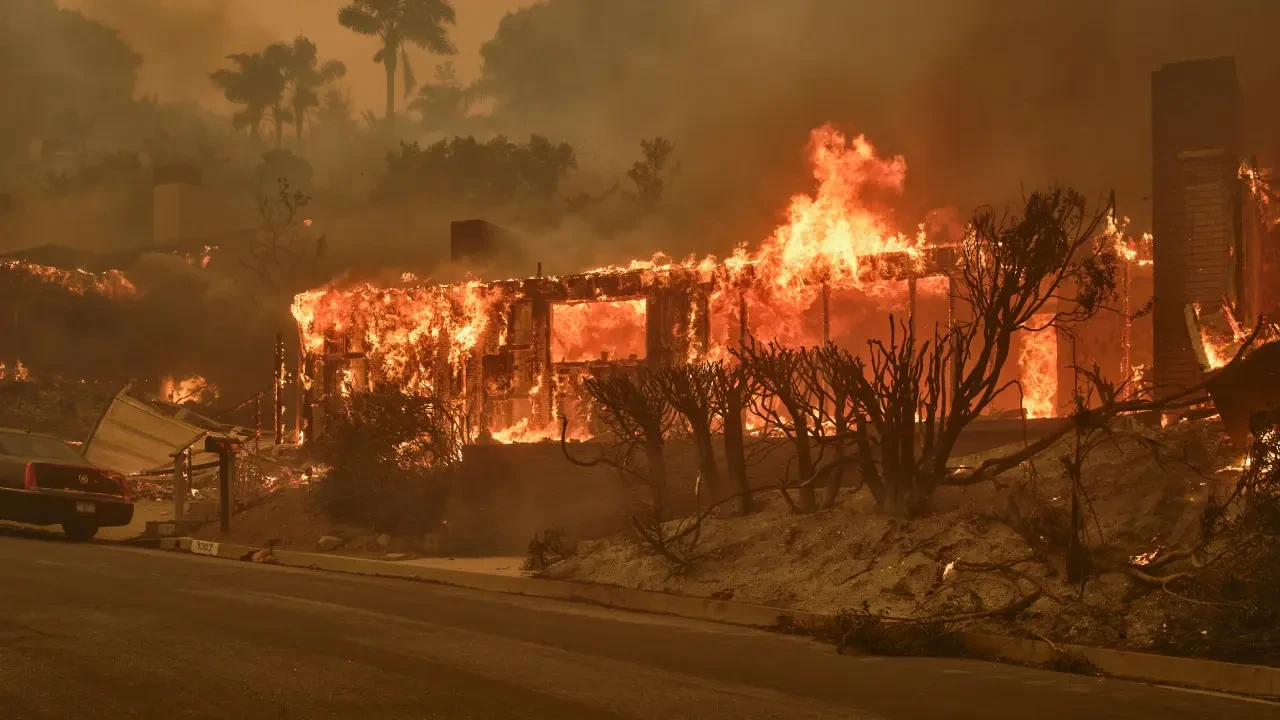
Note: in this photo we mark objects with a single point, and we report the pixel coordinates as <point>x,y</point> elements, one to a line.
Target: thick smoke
<point>181,41</point>
<point>983,97</point>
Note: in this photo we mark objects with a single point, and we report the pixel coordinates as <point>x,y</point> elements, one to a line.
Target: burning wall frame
<point>508,385</point>
<point>510,388</point>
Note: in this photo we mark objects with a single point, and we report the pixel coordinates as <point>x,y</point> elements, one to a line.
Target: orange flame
<point>193,389</point>
<point>1136,251</point>
<point>20,371</point>
<point>1038,368</point>
<point>202,258</point>
<point>1146,557</point>
<point>1220,345</point>
<point>409,334</point>
<point>1258,181</point>
<point>585,331</point>
<point>111,284</point>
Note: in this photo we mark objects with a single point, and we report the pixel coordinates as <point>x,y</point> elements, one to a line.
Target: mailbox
<point>221,444</point>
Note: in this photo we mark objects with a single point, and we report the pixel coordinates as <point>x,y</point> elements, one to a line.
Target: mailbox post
<point>226,449</point>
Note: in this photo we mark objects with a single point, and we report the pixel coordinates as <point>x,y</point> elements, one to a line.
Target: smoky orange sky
<point>182,41</point>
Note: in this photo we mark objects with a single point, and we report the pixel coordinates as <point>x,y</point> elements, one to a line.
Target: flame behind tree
<point>193,389</point>
<point>1038,368</point>
<point>789,402</point>
<point>391,459</point>
<point>690,390</point>
<point>913,399</point>
<point>1013,269</point>
<point>639,418</point>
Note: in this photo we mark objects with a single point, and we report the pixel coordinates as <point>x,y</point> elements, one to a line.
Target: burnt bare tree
<point>732,390</point>
<point>1039,269</point>
<point>689,389</point>
<point>639,418</point>
<point>1046,267</point>
<point>840,412</point>
<point>889,406</point>
<point>789,402</point>
<point>282,253</point>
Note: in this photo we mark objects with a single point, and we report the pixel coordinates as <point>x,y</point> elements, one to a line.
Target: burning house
<point>513,354</point>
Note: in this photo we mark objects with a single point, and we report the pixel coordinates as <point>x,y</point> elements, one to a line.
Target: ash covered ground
<point>982,549</point>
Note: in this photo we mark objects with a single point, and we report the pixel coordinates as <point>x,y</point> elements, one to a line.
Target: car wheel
<point>80,530</point>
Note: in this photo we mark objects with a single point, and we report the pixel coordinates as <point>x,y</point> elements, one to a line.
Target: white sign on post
<point>204,547</point>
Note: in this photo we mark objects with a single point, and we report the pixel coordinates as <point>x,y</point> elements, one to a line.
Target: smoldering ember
<point>944,360</point>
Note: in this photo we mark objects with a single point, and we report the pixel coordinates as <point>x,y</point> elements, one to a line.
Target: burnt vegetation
<point>886,420</point>
<point>393,459</point>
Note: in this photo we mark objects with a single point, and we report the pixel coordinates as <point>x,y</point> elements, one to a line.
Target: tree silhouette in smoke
<point>257,84</point>
<point>442,105</point>
<point>395,23</point>
<point>304,75</point>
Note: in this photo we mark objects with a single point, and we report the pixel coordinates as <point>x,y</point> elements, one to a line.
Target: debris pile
<point>62,407</point>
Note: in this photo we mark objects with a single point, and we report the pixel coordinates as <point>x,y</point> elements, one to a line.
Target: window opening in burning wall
<point>598,331</point>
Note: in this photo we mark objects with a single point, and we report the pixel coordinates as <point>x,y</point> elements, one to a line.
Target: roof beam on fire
<point>628,283</point>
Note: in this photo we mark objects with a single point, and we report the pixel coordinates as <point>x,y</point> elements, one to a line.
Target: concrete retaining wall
<point>509,492</point>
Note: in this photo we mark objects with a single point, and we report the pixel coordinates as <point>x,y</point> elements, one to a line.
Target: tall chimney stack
<point>175,203</point>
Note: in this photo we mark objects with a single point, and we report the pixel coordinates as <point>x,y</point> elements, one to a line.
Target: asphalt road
<point>105,631</point>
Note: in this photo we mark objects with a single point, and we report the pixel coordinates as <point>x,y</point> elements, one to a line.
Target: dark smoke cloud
<point>982,97</point>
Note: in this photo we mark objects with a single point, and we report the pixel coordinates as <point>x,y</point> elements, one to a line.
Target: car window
<point>23,445</point>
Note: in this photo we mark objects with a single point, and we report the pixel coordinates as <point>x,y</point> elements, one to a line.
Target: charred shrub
<point>393,457</point>
<point>546,549</point>
<point>858,629</point>
<point>1235,615</point>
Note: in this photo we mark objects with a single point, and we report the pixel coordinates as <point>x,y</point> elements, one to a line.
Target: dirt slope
<point>853,557</point>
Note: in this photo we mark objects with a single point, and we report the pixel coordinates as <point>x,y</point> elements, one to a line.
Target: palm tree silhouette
<point>304,75</point>
<point>395,23</point>
<point>257,84</point>
<point>443,104</point>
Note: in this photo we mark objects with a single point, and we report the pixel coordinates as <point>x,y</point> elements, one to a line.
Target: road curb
<point>1209,675</point>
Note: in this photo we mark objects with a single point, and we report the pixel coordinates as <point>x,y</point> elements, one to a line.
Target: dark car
<point>45,481</point>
